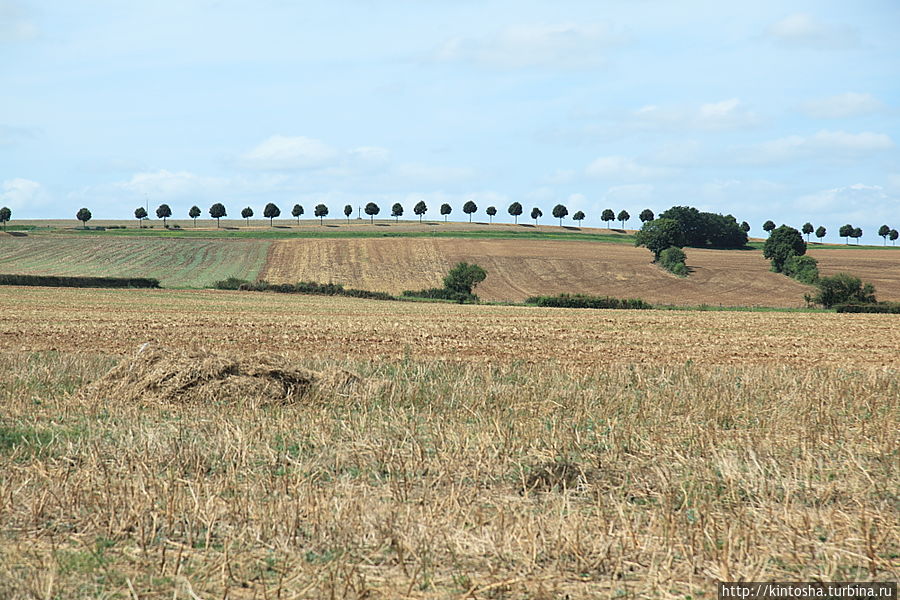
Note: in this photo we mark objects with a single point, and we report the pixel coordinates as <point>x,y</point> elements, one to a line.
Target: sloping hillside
<point>521,268</point>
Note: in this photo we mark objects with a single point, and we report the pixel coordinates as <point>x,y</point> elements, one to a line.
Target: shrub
<point>844,289</point>
<point>658,235</point>
<point>876,307</point>
<point>804,269</point>
<point>672,260</point>
<point>442,294</point>
<point>464,277</point>
<point>232,283</point>
<point>81,282</point>
<point>587,301</point>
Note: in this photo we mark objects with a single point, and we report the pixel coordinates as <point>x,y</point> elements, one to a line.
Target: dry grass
<point>460,480</point>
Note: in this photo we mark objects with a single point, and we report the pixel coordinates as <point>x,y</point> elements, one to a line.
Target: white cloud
<point>166,185</point>
<point>18,194</point>
<point>371,154</point>
<point>711,116</point>
<point>849,104</point>
<point>624,168</point>
<point>824,144</point>
<point>562,45</point>
<point>804,29</point>
<point>282,153</point>
<point>857,203</point>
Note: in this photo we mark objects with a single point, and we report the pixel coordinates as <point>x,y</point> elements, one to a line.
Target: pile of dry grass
<point>165,375</point>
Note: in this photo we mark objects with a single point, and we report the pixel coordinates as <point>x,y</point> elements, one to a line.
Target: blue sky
<point>785,110</point>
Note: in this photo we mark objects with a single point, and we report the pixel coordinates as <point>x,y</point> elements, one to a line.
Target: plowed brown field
<point>521,268</point>
<point>117,321</point>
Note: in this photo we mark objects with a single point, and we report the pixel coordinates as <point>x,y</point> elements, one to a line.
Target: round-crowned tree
<point>469,207</point>
<point>745,227</point>
<point>607,216</point>
<point>623,217</point>
<point>536,214</point>
<point>397,211</point>
<point>193,213</point>
<point>163,212</point>
<point>807,229</point>
<point>783,243</point>
<point>491,211</point>
<point>420,209</point>
<point>320,211</point>
<point>659,234</point>
<point>560,211</point>
<point>372,209</point>
<point>217,211</point>
<point>5,216</point>
<point>296,212</point>
<point>464,277</point>
<point>445,210</point>
<point>83,215</point>
<point>578,216</point>
<point>246,213</point>
<point>820,233</point>
<point>857,233</point>
<point>884,231</point>
<point>845,232</point>
<point>515,209</point>
<point>270,211</point>
<point>769,226</point>
<point>893,235</point>
<point>646,215</point>
<point>140,213</point>
<point>348,210</point>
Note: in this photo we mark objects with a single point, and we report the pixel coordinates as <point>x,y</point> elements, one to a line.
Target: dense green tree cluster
<point>705,229</point>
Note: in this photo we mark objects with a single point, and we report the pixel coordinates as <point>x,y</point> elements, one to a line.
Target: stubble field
<point>508,452</point>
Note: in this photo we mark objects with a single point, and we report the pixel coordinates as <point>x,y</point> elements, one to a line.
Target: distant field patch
<point>174,262</point>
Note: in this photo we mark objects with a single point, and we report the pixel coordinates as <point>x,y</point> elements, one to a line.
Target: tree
<point>659,234</point>
<point>893,235</point>
<point>845,232</point>
<point>270,211</point>
<point>646,215</point>
<point>372,209</point>
<point>745,227</point>
<point>820,233</point>
<point>842,288</point>
<point>163,212</point>
<point>469,207</point>
<point>607,216</point>
<point>857,233</point>
<point>884,231</point>
<point>296,212</point>
<point>420,209</point>
<point>5,215</point>
<point>217,211</point>
<point>348,210</point>
<point>515,209</point>
<point>536,214</point>
<point>579,216</point>
<point>397,211</point>
<point>83,215</point>
<point>783,243</point>
<point>560,211</point>
<point>320,211</point>
<point>701,229</point>
<point>246,213</point>
<point>194,213</point>
<point>807,229</point>
<point>445,210</point>
<point>768,227</point>
<point>464,277</point>
<point>491,211</point>
<point>140,213</point>
<point>623,217</point>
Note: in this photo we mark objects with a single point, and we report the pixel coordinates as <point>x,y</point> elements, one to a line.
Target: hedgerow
<point>80,282</point>
<point>586,301</point>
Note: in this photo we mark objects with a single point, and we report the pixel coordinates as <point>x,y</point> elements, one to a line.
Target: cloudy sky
<point>784,110</point>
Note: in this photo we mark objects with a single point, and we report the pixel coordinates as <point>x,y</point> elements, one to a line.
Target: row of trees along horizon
<point>271,211</point>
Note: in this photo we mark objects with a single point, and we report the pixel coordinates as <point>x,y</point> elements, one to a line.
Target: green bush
<point>877,307</point>
<point>303,287</point>
<point>672,260</point>
<point>586,301</point>
<point>464,277</point>
<point>781,245</point>
<point>81,282</point>
<point>804,269</point>
<point>232,283</point>
<point>844,289</point>
<point>442,294</point>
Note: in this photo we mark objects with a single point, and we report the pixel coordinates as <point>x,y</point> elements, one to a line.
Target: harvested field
<point>174,262</point>
<point>117,321</point>
<point>879,267</point>
<point>518,269</point>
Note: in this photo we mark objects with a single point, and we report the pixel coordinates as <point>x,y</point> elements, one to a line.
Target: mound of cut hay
<point>157,374</point>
